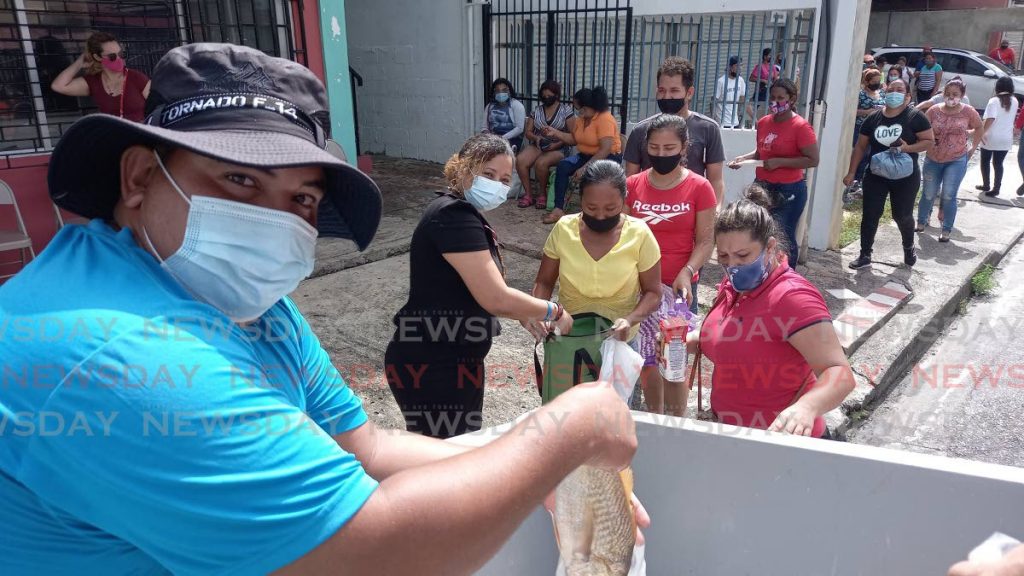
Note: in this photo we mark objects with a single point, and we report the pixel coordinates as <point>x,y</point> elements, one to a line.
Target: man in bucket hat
<point>165,407</point>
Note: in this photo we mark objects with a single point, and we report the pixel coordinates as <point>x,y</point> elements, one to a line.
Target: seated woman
<point>100,73</point>
<point>595,136</point>
<point>778,362</point>
<point>505,116</point>
<point>605,262</point>
<point>544,152</point>
<point>435,361</point>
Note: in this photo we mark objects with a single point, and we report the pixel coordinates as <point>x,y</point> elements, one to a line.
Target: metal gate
<point>601,43</point>
<point>530,41</point>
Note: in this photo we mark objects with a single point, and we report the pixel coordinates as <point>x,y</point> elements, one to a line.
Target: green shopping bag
<point>551,192</point>
<point>573,358</point>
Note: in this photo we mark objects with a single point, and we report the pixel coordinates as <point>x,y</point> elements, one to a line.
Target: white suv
<point>978,71</point>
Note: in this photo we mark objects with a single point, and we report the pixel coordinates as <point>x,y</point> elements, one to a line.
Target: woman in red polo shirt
<point>778,362</point>
<point>787,147</point>
<point>679,206</point>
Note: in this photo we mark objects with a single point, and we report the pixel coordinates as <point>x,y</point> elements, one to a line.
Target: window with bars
<point>40,38</point>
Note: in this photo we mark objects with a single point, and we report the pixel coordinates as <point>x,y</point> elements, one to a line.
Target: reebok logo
<point>682,207</point>
<point>656,213</point>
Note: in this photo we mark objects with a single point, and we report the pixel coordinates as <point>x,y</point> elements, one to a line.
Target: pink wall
<point>26,175</point>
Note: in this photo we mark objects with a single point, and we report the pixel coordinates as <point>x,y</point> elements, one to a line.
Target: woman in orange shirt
<point>595,136</point>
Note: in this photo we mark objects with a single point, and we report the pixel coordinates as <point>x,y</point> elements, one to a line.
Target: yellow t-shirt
<point>588,138</point>
<point>610,286</point>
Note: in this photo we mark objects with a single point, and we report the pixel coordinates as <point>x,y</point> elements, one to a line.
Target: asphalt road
<point>966,397</point>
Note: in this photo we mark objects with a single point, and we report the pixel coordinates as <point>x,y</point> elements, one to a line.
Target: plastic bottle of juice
<point>673,341</point>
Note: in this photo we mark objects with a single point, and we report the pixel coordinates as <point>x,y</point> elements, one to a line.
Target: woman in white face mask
<point>457,292</point>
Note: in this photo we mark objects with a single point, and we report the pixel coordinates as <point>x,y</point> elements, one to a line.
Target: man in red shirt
<point>1004,54</point>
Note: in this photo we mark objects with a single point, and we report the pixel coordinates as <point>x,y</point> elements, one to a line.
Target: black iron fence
<point>601,43</point>
<point>40,39</point>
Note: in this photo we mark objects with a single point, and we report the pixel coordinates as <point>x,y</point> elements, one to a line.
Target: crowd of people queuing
<point>651,218</point>
<point>214,216</point>
<point>904,112</point>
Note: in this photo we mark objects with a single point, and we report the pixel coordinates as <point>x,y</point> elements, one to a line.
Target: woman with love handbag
<point>778,362</point>
<point>893,136</point>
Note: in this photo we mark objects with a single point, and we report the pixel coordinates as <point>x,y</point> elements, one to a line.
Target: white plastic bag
<point>621,366</point>
<point>515,187</point>
<point>994,548</point>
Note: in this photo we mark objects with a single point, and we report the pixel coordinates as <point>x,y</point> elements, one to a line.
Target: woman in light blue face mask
<point>457,292</point>
<point>778,362</point>
<point>505,115</point>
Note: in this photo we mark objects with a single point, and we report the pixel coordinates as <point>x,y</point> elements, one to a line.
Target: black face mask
<point>601,225</point>
<point>665,164</point>
<point>549,100</point>
<point>671,105</point>
<point>874,86</point>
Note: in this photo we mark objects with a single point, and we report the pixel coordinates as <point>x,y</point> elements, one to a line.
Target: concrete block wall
<point>411,56</point>
<point>943,28</point>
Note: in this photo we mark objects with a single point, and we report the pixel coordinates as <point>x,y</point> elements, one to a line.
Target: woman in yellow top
<point>605,262</point>
<point>595,136</point>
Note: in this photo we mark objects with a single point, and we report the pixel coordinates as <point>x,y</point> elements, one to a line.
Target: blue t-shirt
<point>142,432</point>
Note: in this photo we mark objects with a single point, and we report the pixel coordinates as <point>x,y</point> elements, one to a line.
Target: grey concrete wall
<point>725,500</point>
<point>967,29</point>
<point>412,56</point>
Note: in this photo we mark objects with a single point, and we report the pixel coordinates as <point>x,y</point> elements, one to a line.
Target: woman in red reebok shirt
<point>679,206</point>
<point>787,147</point>
<point>778,362</point>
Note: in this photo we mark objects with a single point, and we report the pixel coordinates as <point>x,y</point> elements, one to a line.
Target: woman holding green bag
<point>457,291</point>
<point>607,264</point>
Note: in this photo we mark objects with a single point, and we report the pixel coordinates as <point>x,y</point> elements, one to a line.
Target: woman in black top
<point>899,126</point>
<point>435,361</point>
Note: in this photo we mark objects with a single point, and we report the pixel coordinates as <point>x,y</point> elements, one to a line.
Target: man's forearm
<point>388,452</point>
<point>451,516</point>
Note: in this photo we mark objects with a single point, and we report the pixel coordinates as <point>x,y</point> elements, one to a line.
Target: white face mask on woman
<point>239,258</point>
<point>486,194</point>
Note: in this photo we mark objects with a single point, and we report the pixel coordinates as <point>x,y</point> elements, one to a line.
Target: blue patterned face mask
<point>746,277</point>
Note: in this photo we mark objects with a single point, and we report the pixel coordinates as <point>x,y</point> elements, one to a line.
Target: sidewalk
<point>986,229</point>
<point>887,316</point>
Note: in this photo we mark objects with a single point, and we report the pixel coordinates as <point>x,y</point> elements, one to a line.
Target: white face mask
<point>239,258</point>
<point>486,194</point>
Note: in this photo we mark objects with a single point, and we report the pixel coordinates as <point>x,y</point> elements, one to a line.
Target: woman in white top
<point>998,139</point>
<point>544,153</point>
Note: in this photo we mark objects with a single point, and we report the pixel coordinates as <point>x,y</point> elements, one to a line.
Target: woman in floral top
<point>872,97</point>
<point>946,163</point>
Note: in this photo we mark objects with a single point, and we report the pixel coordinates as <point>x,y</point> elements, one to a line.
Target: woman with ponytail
<point>457,291</point>
<point>778,362</point>
<point>100,73</point>
<point>999,115</point>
